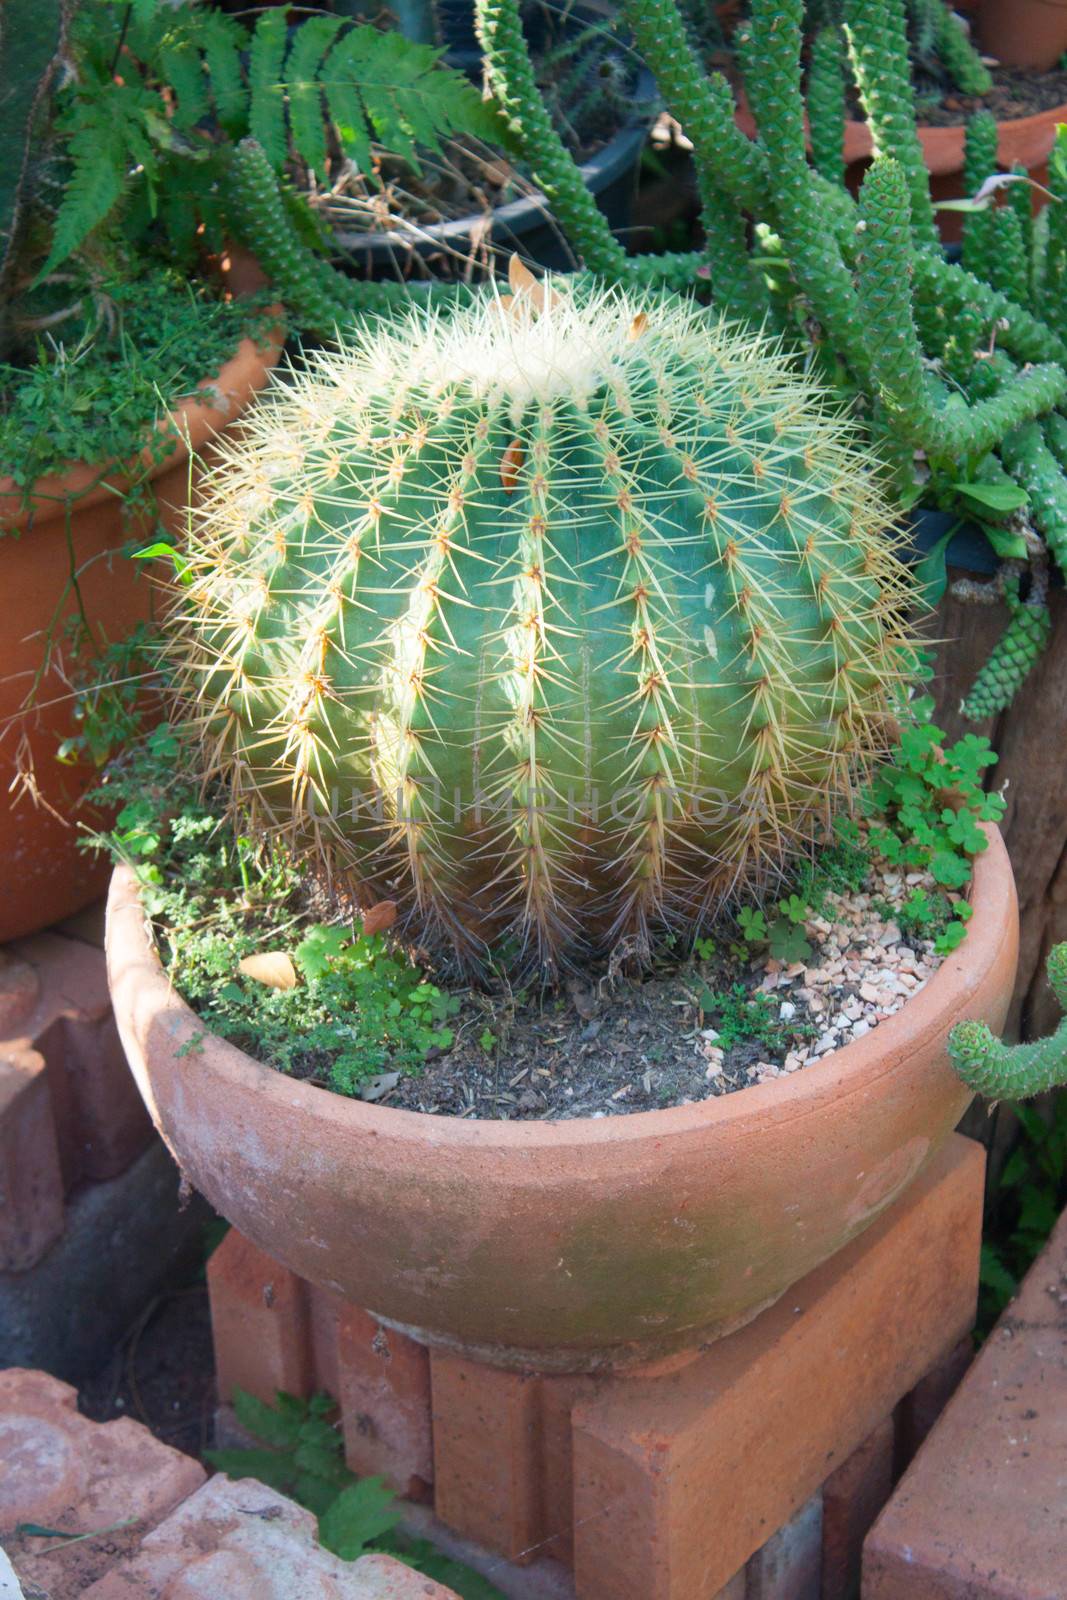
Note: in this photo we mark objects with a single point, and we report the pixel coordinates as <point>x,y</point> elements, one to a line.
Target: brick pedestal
<point>81,1170</point>
<point>753,1469</point>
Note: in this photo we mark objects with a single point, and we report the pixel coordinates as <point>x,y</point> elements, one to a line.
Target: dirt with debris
<point>684,1032</point>
<point>1017,92</point>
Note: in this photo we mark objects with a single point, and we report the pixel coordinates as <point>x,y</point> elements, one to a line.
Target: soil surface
<point>162,1372</point>
<point>1017,92</point>
<point>683,1033</point>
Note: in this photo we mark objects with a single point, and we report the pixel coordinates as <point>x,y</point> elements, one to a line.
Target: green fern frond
<point>184,71</point>
<point>306,125</point>
<point>97,183</point>
<point>266,117</point>
<point>221,38</point>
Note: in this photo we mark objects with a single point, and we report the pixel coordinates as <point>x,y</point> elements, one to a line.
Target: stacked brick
<point>150,1526</point>
<point>982,1512</point>
<point>753,1469</point>
<point>70,1112</point>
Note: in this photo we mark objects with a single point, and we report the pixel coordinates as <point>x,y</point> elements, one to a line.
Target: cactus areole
<point>554,620</point>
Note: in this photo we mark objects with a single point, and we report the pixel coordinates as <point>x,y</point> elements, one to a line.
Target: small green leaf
<point>267,1422</point>
<point>931,572</point>
<point>995,496</point>
<point>1007,545</point>
<point>360,1513</point>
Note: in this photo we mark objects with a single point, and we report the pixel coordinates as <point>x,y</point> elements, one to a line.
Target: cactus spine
<point>1014,1071</point>
<point>561,618</point>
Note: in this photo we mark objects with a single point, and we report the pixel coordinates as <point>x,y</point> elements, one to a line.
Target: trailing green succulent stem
<point>1002,1071</point>
<point>1011,660</point>
<point>511,76</point>
<point>878,47</point>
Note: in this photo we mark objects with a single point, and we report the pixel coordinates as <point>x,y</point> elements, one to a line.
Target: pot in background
<point>75,522</point>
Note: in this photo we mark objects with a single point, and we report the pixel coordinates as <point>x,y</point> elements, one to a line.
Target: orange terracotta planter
<point>1027,140</point>
<point>563,1246</point>
<point>75,522</point>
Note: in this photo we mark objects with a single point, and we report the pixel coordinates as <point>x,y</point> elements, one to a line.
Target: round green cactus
<point>562,617</point>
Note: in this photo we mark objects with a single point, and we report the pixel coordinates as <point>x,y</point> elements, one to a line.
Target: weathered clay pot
<point>1024,33</point>
<point>75,522</point>
<point>1026,140</point>
<point>568,1245</point>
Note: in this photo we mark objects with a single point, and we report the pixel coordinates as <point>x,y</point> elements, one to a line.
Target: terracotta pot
<point>75,522</point>
<point>1027,140</point>
<point>1024,33</point>
<point>562,1246</point>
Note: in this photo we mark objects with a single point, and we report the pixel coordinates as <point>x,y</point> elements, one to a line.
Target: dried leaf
<point>511,465</point>
<point>380,918</point>
<point>523,282</point>
<point>272,967</point>
<point>638,326</point>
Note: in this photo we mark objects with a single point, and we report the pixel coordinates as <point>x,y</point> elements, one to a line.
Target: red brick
<point>981,1514</point>
<point>384,1394</point>
<point>736,1589</point>
<point>243,1541</point>
<point>486,1446</point>
<point>20,990</point>
<point>54,1008</point>
<point>60,1470</point>
<point>919,1410</point>
<point>738,1440</point>
<point>31,1183</point>
<point>259,1322</point>
<point>852,1498</point>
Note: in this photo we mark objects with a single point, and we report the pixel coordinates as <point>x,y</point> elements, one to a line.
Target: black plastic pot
<point>526,226</point>
<point>968,549</point>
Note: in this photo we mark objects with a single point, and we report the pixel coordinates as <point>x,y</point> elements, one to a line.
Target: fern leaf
<point>95,189</point>
<point>221,39</point>
<point>340,81</point>
<point>408,96</point>
<point>266,119</point>
<point>306,113</point>
<point>183,70</point>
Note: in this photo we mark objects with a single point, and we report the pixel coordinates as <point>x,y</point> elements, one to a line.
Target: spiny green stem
<point>1033,464</point>
<point>955,51</point>
<point>943,427</point>
<point>702,104</point>
<point>826,104</point>
<point>1011,660</point>
<point>511,76</point>
<point>773,86</point>
<point>878,47</point>
<point>1017,1071</point>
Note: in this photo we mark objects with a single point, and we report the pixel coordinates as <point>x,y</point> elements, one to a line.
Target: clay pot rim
<point>193,420</point>
<point>139,982</point>
<point>943,146</point>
